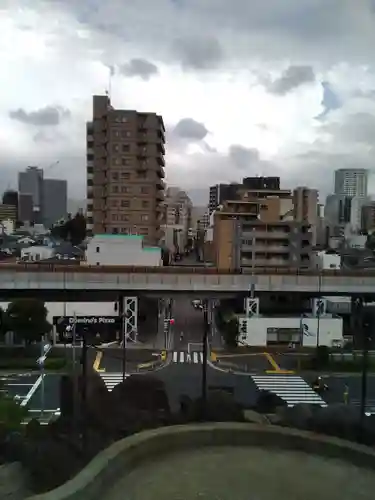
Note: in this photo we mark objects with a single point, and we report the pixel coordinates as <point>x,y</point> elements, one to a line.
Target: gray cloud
<point>292,77</point>
<point>198,53</point>
<point>242,157</point>
<point>190,129</point>
<point>140,68</point>
<point>47,116</point>
<point>357,128</point>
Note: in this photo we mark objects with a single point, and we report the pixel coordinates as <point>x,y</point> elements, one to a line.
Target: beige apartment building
<point>125,172</point>
<point>306,208</point>
<point>258,230</point>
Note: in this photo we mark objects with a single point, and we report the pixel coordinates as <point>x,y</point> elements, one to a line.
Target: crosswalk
<point>292,389</point>
<point>111,379</point>
<point>195,357</point>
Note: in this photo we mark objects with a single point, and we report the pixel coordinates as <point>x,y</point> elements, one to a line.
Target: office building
<point>55,201</point>
<point>25,208</point>
<point>219,193</point>
<point>31,182</point>
<point>125,171</point>
<point>258,230</point>
<point>351,182</point>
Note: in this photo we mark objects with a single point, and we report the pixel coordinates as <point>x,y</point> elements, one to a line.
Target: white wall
<point>330,329</point>
<point>76,308</point>
<point>36,253</point>
<point>328,261</point>
<point>121,250</point>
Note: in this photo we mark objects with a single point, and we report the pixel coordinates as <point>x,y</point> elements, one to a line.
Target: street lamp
<point>44,349</point>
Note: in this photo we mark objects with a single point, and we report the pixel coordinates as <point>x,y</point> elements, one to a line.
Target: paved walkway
<point>245,473</point>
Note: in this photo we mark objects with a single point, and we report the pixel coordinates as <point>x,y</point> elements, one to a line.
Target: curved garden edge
<point>99,475</point>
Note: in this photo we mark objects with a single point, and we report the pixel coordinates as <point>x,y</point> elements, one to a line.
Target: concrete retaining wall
<point>102,472</point>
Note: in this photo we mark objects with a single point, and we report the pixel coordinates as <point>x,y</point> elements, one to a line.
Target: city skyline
<point>243,112</point>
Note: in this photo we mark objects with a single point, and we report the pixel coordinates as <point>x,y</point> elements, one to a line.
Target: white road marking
<point>32,391</point>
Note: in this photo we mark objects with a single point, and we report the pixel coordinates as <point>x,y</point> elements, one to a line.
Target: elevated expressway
<point>162,280</point>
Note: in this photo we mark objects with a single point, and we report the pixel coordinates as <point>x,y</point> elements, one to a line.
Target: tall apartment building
<point>351,182</point>
<point>219,193</point>
<point>30,182</point>
<point>125,171</point>
<point>258,230</point>
<point>305,208</point>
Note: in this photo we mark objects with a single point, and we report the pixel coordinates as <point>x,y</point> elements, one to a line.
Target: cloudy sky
<point>278,87</point>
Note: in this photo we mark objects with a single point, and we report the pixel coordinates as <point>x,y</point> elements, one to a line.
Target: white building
<point>326,260</point>
<point>305,330</point>
<point>36,253</point>
<point>351,182</point>
<point>7,226</point>
<point>121,250</point>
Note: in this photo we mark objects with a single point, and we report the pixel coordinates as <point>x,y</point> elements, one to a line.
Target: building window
<point>125,230</point>
<point>115,148</point>
<point>124,119</point>
<point>114,189</point>
<point>125,161</point>
<point>115,176</point>
<point>116,133</point>
<point>114,203</point>
<point>145,204</point>
<point>125,176</point>
<point>114,217</point>
<point>116,161</point>
<point>97,249</point>
<point>125,189</point>
<point>125,133</point>
<point>125,203</point>
<point>124,218</point>
<point>145,190</point>
<point>90,182</point>
<point>114,230</point>
<point>141,174</point>
<point>144,218</point>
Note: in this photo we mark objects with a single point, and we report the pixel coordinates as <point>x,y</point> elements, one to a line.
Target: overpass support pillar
<point>129,312</point>
<point>252,307</point>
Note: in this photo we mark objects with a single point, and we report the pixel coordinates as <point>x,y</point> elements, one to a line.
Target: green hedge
<point>31,364</point>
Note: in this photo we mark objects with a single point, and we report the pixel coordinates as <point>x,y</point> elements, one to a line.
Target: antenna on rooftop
<point>111,74</point>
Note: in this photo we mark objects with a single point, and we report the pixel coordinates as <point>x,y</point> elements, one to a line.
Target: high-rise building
<point>220,193</point>
<point>351,181</point>
<point>31,182</point>
<point>25,208</point>
<point>55,201</point>
<point>305,208</point>
<point>125,171</point>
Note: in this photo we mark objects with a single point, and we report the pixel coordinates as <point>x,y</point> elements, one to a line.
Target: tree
<point>11,414</point>
<point>28,318</point>
<point>73,230</point>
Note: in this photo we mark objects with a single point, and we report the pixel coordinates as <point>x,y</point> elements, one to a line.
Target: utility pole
<point>122,314</point>
<point>84,391</point>
<point>204,364</point>
<point>364,325</point>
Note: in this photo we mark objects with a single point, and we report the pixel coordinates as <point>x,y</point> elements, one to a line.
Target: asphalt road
<point>188,321</point>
